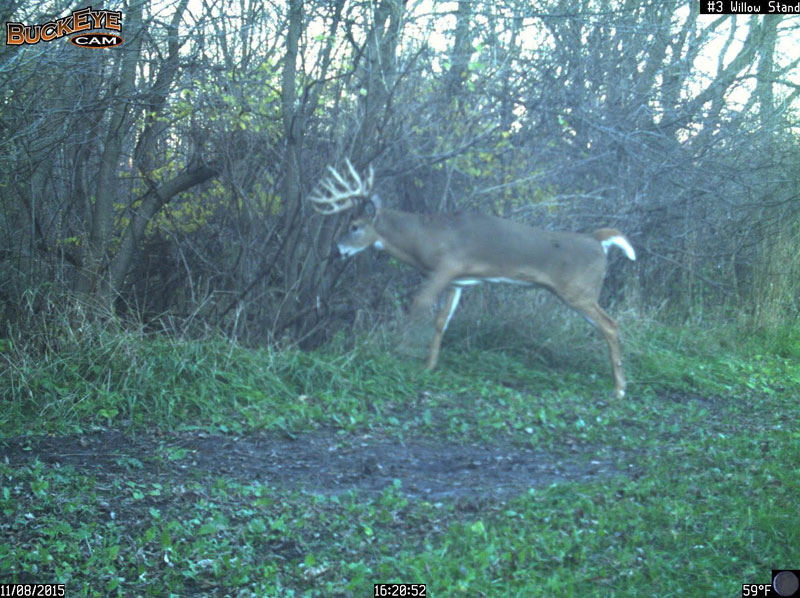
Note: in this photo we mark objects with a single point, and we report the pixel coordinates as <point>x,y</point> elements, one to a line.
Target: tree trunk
<point>92,279</point>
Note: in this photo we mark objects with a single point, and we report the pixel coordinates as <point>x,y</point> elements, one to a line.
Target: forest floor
<point>320,462</point>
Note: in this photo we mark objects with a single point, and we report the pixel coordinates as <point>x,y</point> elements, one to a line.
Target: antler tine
<point>326,207</point>
<point>339,178</point>
<point>355,176</point>
<point>338,194</point>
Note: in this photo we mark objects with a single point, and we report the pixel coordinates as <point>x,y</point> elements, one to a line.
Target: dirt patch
<point>322,462</point>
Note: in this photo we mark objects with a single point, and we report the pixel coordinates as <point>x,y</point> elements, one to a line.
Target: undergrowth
<point>99,372</point>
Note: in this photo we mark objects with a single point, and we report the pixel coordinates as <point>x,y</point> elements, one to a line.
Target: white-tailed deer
<point>466,249</point>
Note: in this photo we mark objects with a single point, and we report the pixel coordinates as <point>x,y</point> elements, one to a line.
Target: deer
<point>465,249</point>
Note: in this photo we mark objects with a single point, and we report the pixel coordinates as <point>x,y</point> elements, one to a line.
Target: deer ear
<point>373,206</point>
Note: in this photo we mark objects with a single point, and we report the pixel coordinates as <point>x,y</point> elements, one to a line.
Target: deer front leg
<point>446,311</point>
<point>433,287</point>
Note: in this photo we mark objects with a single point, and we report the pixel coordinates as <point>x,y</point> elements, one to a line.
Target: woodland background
<point>164,180</point>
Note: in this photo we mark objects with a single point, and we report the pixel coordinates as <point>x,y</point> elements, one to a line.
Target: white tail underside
<point>621,243</point>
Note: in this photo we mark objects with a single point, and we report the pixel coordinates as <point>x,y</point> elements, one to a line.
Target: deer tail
<point>611,236</point>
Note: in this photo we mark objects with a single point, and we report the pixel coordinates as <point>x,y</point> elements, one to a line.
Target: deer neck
<point>405,236</point>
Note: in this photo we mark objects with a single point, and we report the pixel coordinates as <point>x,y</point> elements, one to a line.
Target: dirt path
<point>322,462</point>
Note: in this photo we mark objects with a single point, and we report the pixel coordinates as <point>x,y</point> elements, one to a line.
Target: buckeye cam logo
<point>82,25</point>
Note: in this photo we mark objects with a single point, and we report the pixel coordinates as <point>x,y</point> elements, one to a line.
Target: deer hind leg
<point>608,327</point>
<point>446,310</point>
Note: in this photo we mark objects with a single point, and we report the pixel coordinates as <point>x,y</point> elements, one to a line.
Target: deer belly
<point>463,282</point>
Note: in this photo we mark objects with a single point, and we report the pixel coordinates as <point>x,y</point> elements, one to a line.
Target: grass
<point>706,447</point>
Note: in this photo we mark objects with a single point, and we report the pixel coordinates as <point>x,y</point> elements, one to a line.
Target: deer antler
<point>335,194</point>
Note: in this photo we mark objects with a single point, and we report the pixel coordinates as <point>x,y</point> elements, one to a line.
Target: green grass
<point>706,444</point>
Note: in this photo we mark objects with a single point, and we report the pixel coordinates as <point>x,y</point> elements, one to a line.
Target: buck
<point>467,249</point>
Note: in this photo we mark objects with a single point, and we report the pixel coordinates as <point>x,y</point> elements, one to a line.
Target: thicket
<point>164,180</point>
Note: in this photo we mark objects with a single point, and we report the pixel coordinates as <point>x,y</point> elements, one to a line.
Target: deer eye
<point>353,227</point>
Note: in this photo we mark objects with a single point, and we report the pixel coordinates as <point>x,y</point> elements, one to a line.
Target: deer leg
<point>433,287</point>
<point>608,327</point>
<point>446,310</point>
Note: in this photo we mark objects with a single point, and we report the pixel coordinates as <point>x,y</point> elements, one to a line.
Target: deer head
<point>335,194</point>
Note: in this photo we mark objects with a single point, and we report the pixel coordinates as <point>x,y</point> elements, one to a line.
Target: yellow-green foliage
<point>186,215</point>
<point>190,211</point>
<point>263,200</point>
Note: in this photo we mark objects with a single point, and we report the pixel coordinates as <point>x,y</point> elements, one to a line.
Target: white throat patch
<point>349,250</point>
